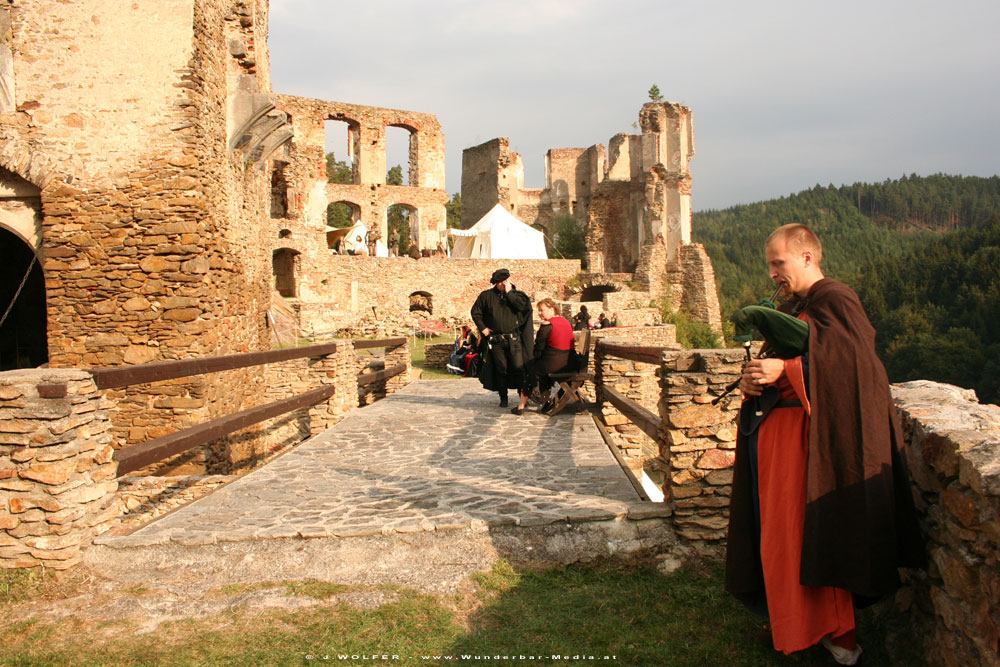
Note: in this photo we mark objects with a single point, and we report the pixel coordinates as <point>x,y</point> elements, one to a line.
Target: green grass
<point>418,358</point>
<point>633,613</point>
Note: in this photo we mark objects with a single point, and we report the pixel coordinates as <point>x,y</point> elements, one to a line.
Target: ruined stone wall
<point>308,193</point>
<point>610,238</point>
<point>487,178</point>
<point>954,456</point>
<point>152,230</point>
<point>377,290</point>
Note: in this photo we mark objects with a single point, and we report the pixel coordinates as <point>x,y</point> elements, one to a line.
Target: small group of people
<point>517,358</point>
<point>582,320</point>
<point>414,251</point>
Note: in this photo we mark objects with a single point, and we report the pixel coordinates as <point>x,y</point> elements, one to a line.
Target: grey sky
<point>785,94</point>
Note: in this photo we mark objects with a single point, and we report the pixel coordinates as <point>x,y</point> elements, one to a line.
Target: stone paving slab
<point>437,455</point>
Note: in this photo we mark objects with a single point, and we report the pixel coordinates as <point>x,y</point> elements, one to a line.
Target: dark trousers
<point>508,361</point>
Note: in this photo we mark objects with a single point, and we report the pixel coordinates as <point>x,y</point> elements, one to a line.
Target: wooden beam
<point>376,376</point>
<point>648,422</point>
<point>385,342</point>
<point>141,455</point>
<point>645,353</point>
<point>123,376</point>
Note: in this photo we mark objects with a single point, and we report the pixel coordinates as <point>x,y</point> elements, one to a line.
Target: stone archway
<point>23,325</point>
<point>421,301</point>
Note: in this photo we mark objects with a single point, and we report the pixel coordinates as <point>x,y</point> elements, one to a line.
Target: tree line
<point>922,253</point>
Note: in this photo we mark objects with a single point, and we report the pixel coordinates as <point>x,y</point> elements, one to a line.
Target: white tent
<point>499,235</point>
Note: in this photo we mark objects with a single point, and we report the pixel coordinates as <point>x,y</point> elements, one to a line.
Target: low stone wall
<point>699,443</point>
<point>58,486</point>
<point>57,477</point>
<point>954,454</point>
<point>436,355</point>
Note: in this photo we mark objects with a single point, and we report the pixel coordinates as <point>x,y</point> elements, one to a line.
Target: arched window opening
<point>283,263</point>
<point>422,303</point>
<point>23,330</point>
<point>402,220</point>
<point>400,155</point>
<point>596,292</point>
<point>342,147</point>
<point>342,214</point>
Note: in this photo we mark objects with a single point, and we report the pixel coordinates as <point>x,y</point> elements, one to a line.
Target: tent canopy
<point>499,235</point>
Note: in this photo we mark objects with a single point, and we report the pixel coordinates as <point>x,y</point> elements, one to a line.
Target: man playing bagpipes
<point>821,516</point>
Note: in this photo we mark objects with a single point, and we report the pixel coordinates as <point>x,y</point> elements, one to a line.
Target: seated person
<point>466,346</point>
<point>603,322</point>
<point>553,344</point>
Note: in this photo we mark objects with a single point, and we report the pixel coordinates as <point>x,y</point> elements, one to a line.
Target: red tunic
<point>800,615</point>
<point>561,337</point>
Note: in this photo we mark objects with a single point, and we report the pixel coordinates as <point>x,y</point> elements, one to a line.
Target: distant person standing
<point>503,316</point>
<point>581,320</point>
<point>393,244</point>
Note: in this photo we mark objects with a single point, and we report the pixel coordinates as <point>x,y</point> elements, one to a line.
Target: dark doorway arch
<point>596,292</point>
<point>422,301</point>
<point>283,263</point>
<point>24,331</point>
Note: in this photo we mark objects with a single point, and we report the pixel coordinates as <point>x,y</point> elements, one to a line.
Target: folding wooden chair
<point>570,383</point>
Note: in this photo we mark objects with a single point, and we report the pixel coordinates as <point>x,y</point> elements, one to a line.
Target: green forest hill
<point>923,253</point>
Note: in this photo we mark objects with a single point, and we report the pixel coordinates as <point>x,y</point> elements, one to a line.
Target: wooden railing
<point>138,456</point>
<point>644,418</point>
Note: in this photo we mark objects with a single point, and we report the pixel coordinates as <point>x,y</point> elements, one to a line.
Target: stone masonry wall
<point>698,447</point>
<point>152,242</point>
<point>377,290</point>
<point>954,455</point>
<point>308,193</point>
<point>57,477</point>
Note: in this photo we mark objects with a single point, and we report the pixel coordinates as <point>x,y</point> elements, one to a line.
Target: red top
<point>561,337</point>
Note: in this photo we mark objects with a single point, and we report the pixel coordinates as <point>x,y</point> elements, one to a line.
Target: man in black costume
<point>503,315</point>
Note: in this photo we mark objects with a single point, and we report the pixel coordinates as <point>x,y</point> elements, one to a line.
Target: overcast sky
<point>785,95</point>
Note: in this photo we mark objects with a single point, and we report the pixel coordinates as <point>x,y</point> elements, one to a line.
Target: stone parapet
<point>954,456</point>
<point>700,438</point>
<point>57,476</point>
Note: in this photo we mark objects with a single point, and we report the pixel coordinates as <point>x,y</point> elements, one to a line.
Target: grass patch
<point>418,357</point>
<point>634,613</point>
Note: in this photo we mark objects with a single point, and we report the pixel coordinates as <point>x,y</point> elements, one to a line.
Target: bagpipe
<point>784,336</point>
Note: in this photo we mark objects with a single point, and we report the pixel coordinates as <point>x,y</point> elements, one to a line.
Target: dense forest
<point>922,252</point>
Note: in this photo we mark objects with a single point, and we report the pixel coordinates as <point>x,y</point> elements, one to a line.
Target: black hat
<point>499,276</point>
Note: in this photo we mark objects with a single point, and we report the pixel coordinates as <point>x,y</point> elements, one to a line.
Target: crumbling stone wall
<point>376,291</point>
<point>954,456</point>
<point>308,194</point>
<point>633,203</point>
<point>153,234</point>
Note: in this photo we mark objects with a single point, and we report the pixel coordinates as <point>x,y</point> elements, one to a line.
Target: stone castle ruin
<point>633,202</point>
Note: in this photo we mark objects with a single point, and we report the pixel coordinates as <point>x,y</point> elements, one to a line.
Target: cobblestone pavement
<point>439,454</point>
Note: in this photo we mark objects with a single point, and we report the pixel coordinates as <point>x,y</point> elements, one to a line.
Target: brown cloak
<point>860,524</point>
